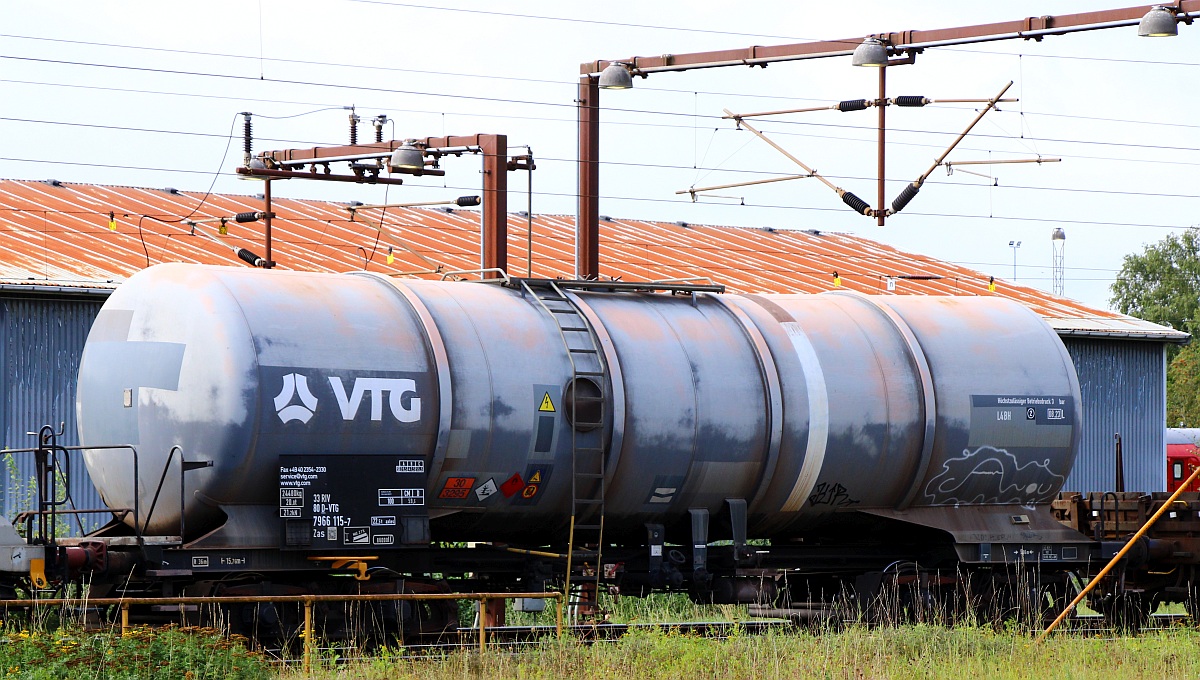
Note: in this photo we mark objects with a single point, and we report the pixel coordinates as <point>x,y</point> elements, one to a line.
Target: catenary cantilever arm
<point>856,203</point>
<point>911,190</point>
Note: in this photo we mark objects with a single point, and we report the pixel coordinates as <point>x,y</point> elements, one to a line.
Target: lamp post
<point>1014,245</point>
<point>1058,241</point>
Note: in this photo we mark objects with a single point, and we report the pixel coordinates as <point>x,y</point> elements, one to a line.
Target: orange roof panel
<point>58,234</point>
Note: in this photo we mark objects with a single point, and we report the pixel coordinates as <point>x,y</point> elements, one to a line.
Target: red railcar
<point>1183,456</point>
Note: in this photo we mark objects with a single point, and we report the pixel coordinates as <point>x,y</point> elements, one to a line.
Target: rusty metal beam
<point>268,173</point>
<point>1029,28</point>
<point>587,221</point>
<point>493,148</point>
<point>495,200</point>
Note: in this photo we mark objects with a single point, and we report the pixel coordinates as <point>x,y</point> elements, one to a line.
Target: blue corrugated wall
<point>42,342</point>
<point>1124,389</point>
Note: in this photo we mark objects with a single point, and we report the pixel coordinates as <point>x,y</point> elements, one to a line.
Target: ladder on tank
<point>584,406</point>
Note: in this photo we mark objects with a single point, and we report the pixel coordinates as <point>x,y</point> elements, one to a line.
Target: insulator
<point>467,201</point>
<point>247,136</point>
<point>353,129</point>
<point>852,105</point>
<point>910,100</point>
<point>379,129</point>
<point>905,196</point>
<point>856,203</point>
<point>246,217</point>
<point>248,257</point>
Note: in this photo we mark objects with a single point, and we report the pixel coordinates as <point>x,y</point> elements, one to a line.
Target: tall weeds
<point>918,651</point>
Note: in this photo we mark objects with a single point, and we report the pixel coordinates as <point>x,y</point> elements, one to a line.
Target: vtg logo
<point>295,386</point>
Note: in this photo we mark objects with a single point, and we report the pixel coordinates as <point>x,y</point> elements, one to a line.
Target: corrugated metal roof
<point>58,234</point>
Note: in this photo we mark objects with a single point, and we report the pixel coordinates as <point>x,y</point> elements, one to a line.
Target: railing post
<point>308,633</point>
<point>482,625</point>
<point>558,623</point>
<point>124,619</point>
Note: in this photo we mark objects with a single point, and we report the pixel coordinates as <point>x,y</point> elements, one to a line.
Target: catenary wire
<point>526,102</point>
<point>535,80</point>
<point>775,132</point>
<point>829,125</point>
<point>660,166</point>
<point>591,22</point>
<point>643,199</point>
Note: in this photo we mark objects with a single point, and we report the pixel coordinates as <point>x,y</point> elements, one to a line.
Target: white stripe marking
<point>818,418</point>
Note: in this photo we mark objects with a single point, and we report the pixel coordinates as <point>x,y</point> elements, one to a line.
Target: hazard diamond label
<point>486,490</point>
<point>512,485</point>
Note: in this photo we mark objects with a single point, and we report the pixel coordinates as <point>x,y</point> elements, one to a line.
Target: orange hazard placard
<point>457,487</point>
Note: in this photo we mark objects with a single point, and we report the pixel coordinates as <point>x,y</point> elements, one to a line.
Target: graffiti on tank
<point>831,494</point>
<point>991,475</point>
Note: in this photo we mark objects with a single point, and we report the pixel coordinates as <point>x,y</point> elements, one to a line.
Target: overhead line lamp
<point>1159,22</point>
<point>872,52</point>
<point>407,158</point>
<point>254,165</point>
<point>616,76</point>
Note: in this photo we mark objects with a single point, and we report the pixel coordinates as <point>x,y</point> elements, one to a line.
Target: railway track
<point>1094,623</point>
<point>516,639</point>
<point>520,636</point>
<point>517,636</point>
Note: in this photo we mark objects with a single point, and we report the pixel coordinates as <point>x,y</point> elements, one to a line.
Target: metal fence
<point>308,601</point>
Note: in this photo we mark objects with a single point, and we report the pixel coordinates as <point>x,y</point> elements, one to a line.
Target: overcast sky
<point>147,93</point>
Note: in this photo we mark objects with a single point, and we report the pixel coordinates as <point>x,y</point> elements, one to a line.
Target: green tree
<point>1163,283</point>
<point>1183,388</point>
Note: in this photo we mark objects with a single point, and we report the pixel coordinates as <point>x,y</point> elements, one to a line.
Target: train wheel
<point>904,594</point>
<point>427,620</point>
<point>1024,596</point>
<point>1192,603</point>
<point>269,625</point>
<point>1127,612</point>
<point>1056,595</point>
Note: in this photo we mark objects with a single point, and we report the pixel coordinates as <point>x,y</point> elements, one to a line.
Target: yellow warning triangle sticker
<point>547,405</point>
<point>536,478</point>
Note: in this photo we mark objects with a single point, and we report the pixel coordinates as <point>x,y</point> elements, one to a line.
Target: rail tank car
<point>332,412</point>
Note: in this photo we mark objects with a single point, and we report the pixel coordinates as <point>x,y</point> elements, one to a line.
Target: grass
<point>169,653</point>
<point>47,649</point>
<point>856,653</point>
